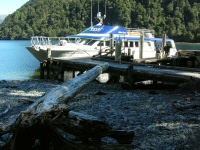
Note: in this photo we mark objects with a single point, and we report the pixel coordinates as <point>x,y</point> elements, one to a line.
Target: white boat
<point>140,43</point>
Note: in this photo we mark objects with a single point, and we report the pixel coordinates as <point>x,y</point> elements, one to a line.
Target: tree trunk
<point>40,111</point>
<point>46,122</point>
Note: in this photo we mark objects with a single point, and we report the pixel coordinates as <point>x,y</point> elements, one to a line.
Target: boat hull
<point>38,54</point>
<point>41,54</point>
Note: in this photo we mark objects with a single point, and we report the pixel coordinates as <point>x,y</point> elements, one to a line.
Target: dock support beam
<point>141,45</point>
<point>73,73</point>
<point>163,44</point>
<point>62,75</point>
<point>111,43</point>
<point>41,70</point>
<point>118,51</point>
<point>163,40</point>
<point>48,62</point>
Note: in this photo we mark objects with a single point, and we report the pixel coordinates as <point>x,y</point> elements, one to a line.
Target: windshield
<point>91,42</point>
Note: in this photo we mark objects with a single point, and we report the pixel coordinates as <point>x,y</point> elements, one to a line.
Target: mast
<point>105,10</point>
<point>98,5</point>
<point>99,17</point>
<point>91,14</point>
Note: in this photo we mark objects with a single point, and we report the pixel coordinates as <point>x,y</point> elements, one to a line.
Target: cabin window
<point>86,41</point>
<point>107,43</point>
<point>71,40</point>
<point>131,44</point>
<point>126,44</point>
<point>101,43</point>
<point>91,42</point>
<point>136,44</point>
<point>82,41</point>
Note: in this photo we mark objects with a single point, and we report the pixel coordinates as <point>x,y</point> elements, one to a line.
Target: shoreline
<point>148,112</point>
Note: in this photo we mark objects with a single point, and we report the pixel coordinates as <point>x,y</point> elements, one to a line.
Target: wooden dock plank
<point>147,72</point>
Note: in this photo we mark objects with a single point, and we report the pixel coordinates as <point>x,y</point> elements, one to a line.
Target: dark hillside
<point>180,19</point>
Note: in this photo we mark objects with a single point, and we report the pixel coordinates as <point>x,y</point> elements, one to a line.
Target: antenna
<point>98,5</point>
<point>105,10</point>
<point>91,15</point>
<point>99,17</point>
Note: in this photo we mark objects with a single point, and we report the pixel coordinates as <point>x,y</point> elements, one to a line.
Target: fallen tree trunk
<point>88,132</point>
<point>59,96</point>
<point>53,101</point>
<point>72,131</point>
<point>86,126</point>
<point>49,119</point>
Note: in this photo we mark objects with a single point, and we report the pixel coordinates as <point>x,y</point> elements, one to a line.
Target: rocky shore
<point>162,118</point>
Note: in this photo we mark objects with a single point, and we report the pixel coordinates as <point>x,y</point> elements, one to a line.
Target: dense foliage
<point>178,18</point>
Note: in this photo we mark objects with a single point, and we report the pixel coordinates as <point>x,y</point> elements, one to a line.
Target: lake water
<point>16,63</point>
<point>188,46</point>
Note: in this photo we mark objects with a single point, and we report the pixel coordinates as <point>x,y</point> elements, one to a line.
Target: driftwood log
<point>50,124</point>
<point>58,97</point>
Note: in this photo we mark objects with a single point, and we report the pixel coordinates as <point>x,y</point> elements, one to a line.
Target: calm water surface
<point>188,46</point>
<point>16,63</point>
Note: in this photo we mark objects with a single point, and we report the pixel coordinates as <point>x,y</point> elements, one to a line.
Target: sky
<point>9,6</point>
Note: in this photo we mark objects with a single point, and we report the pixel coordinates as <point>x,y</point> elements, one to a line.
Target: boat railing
<point>42,40</point>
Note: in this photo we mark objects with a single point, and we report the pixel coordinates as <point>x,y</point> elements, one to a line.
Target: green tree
<point>179,18</point>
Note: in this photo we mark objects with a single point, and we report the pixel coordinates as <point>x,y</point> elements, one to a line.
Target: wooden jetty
<point>130,70</point>
<point>167,70</point>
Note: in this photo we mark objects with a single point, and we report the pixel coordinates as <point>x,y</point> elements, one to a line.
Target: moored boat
<point>100,38</point>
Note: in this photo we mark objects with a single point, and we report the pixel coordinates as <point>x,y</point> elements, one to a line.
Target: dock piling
<point>48,62</point>
<point>118,53</point>
<point>41,70</point>
<point>111,43</point>
<point>141,46</point>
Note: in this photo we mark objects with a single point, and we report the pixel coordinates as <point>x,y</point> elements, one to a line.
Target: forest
<point>179,19</point>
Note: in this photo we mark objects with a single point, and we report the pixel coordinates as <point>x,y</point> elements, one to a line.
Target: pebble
<point>150,128</point>
<point>157,125</point>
